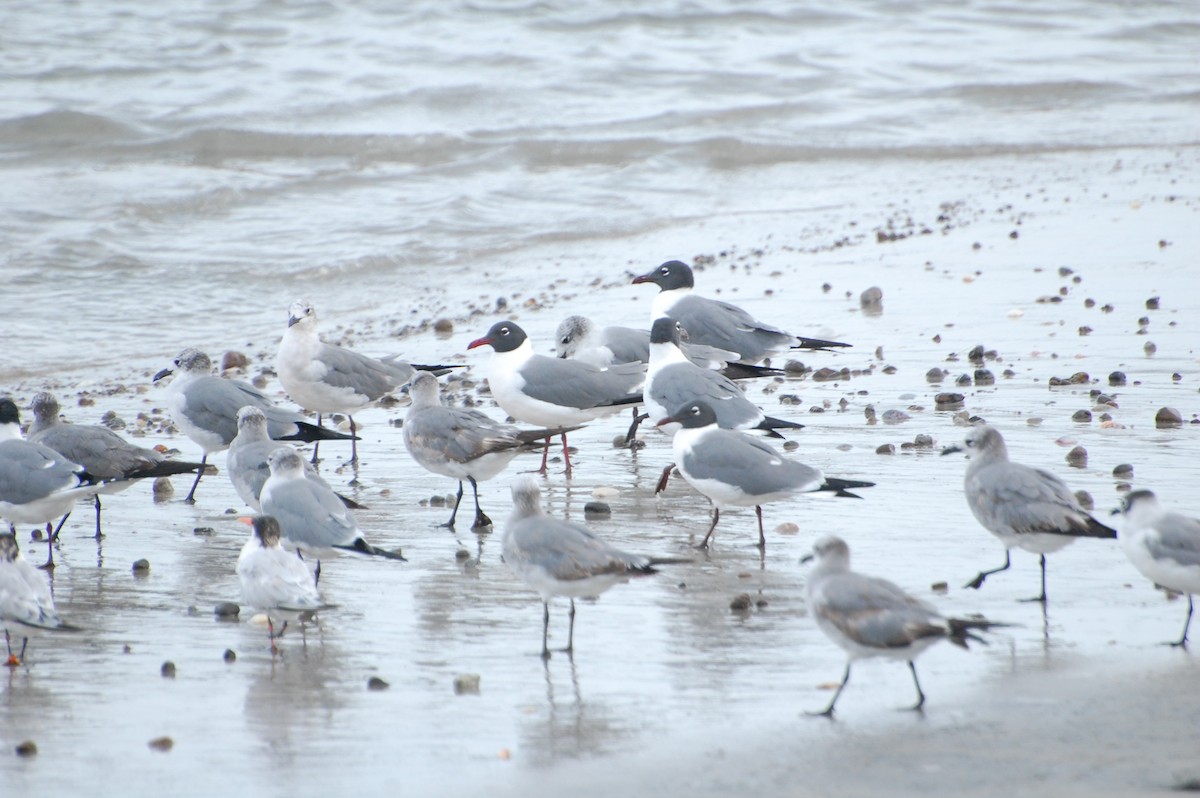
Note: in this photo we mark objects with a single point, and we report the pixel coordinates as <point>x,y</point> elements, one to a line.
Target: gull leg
<point>481,519</point>
<point>457,500</point>
<point>638,418</point>
<point>50,541</point>
<point>762,539</point>
<point>920,693</point>
<point>316,444</point>
<point>566,454</point>
<point>545,457</point>
<point>1183,641</point>
<point>545,629</point>
<point>1041,598</point>
<point>191,497</point>
<point>662,480</point>
<point>711,529</point>
<point>12,661</point>
<point>977,582</point>
<point>353,443</point>
<point>96,499</point>
<point>828,711</point>
<point>570,649</point>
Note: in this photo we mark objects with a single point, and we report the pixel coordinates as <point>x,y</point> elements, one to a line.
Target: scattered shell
<point>163,744</point>
<point>604,492</point>
<point>27,748</point>
<point>1123,471</point>
<point>1085,500</point>
<point>375,683</point>
<point>234,360</point>
<point>227,609</point>
<point>741,603</point>
<point>788,528</point>
<point>230,655</point>
<point>466,684</point>
<point>886,448</point>
<point>168,670</point>
<point>1077,457</point>
<point>1167,417</point>
<point>141,566</point>
<point>595,510</point>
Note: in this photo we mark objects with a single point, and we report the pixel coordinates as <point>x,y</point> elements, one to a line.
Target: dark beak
<point>292,320</point>
<point>951,450</point>
<point>807,558</point>
<point>643,278</point>
<point>163,373</point>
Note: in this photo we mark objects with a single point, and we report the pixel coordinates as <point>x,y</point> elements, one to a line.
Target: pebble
<point>443,326</point>
<point>605,492</point>
<point>163,744</point>
<point>1152,303</point>
<point>1085,500</point>
<point>948,401</point>
<point>741,603</point>
<point>168,670</point>
<point>596,510</point>
<point>872,299</point>
<point>375,683</point>
<point>461,555</point>
<point>1077,457</point>
<point>1167,417</point>
<point>230,655</point>
<point>112,421</point>
<point>466,684</point>
<point>940,588</point>
<point>1117,378</point>
<point>886,448</point>
<point>227,609</point>
<point>1082,415</point>
<point>1123,471</point>
<point>204,531</point>
<point>895,417</point>
<point>794,367</point>
<point>234,360</point>
<point>935,374</point>
<point>27,748</point>
<point>141,566</point>
<point>984,377</point>
<point>790,446</point>
<point>963,381</point>
<point>788,528</point>
<point>162,488</point>
<point>1150,348</point>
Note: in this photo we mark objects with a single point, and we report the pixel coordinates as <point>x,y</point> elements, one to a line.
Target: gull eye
<point>566,339</point>
<point>664,271</point>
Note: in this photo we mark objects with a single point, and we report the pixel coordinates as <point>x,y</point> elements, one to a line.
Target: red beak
<point>484,341</point>
<point>667,420</point>
<point>641,278</point>
<point>247,520</point>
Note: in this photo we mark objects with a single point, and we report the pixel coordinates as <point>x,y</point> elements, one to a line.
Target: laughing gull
<point>735,469</point>
<point>557,558</point>
<point>719,324</point>
<point>314,521</point>
<point>551,392</point>
<point>579,338</point>
<point>1164,546</point>
<point>672,381</point>
<point>460,443</point>
<point>26,604</point>
<point>37,484</point>
<point>205,408</point>
<point>1022,506</point>
<point>246,460</point>
<point>871,617</point>
<point>325,378</point>
<point>104,454</point>
<point>274,580</point>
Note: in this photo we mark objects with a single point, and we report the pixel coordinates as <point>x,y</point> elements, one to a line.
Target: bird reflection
<point>569,728</point>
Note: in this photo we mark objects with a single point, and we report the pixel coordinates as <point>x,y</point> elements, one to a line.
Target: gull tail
<point>840,487</point>
<point>363,547</point>
<point>437,371</point>
<point>1089,527</point>
<point>348,502</point>
<point>532,436</point>
<point>818,344</point>
<point>745,371</point>
<point>769,425</point>
<point>628,399</point>
<point>307,433</point>
<point>167,468</point>
<point>962,630</point>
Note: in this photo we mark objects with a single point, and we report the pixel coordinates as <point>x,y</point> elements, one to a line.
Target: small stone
<point>923,441</point>
<point>112,421</point>
<point>1085,500</point>
<point>948,401</point>
<point>984,377</point>
<point>1082,415</point>
<point>466,684</point>
<point>204,531</point>
<point>963,381</point>
<point>376,684</point>
<point>741,603</point>
<point>871,299</point>
<point>1150,348</point>
<point>596,510</point>
<point>895,416</point>
<point>462,555</point>
<point>163,744</point>
<point>791,446</point>
<point>886,448</point>
<point>794,367</point>
<point>27,748</point>
<point>141,567</point>
<point>1152,303</point>
<point>935,374</point>
<point>226,610</point>
<point>788,528</point>
<point>443,327</point>
<point>437,501</point>
<point>162,488</point>
<point>234,360</point>
<point>976,354</point>
<point>230,655</point>
<point>940,588</point>
<point>1077,457</point>
<point>1167,417</point>
<point>168,670</point>
<point>1116,378</point>
<point>1123,471</point>
<point>1085,330</point>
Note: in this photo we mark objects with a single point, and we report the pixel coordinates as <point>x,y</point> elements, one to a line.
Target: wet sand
<point>669,690</point>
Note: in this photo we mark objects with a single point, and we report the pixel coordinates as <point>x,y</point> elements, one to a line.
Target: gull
<point>326,378</point>
<point>104,454</point>
<point>275,580</point>
<point>205,408</point>
<point>37,484</point>
<point>246,461</point>
<point>871,617</point>
<point>26,604</point>
<point>735,469</point>
<point>1163,545</point>
<point>461,443</point>
<point>672,380</point>
<point>719,324</point>
<point>557,558</point>
<point>312,518</point>
<point>1022,506</point>
<point>551,392</point>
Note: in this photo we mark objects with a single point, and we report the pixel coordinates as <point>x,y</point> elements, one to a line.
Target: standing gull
<point>871,617</point>
<point>719,324</point>
<point>103,453</point>
<point>274,580</point>
<point>246,461</point>
<point>1022,506</point>
<point>205,408</point>
<point>735,469</point>
<point>460,443</point>
<point>312,518</point>
<point>26,604</point>
<point>557,558</point>
<point>552,392</point>
<point>325,378</point>
<point>1164,546</point>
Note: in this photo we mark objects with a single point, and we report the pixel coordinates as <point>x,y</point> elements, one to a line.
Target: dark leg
<point>716,518</point>
<point>96,499</point>
<point>481,519</point>
<point>51,539</point>
<point>12,661</point>
<point>566,454</point>
<point>545,456</point>
<point>1041,598</point>
<point>570,649</point>
<point>662,480</point>
<point>191,497</point>
<point>977,582</point>
<point>317,575</point>
<point>1182,642</point>
<point>633,428</point>
<point>920,694</point>
<point>457,501</point>
<point>353,443</point>
<point>316,444</point>
<point>545,629</point>
<point>828,711</point>
<point>762,539</point>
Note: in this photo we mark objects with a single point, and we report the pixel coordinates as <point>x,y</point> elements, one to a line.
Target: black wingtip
<point>308,433</point>
<point>770,425</point>
<point>745,371</point>
<point>841,487</point>
<point>363,547</point>
<point>167,468</point>
<point>820,344</point>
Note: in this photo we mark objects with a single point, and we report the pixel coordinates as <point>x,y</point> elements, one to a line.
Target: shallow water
<point>401,167</point>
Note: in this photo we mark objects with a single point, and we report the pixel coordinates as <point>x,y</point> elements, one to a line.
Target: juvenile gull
<point>26,604</point>
<point>104,454</point>
<point>312,518</point>
<point>673,381</point>
<point>550,391</point>
<point>1022,506</point>
<point>1163,545</point>
<point>871,617</point>
<point>461,443</point>
<point>735,469</point>
<point>557,558</point>
<point>246,461</point>
<point>205,408</point>
<point>325,378</point>
<point>275,580</point>
<point>719,324</point>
